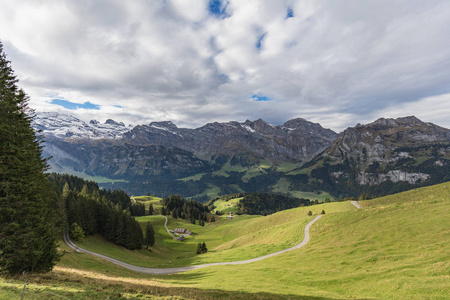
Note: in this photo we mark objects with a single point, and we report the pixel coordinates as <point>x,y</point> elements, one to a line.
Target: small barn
<point>182,231</point>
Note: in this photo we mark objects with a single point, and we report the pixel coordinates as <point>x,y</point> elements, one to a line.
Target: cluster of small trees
<point>179,208</point>
<point>310,213</point>
<point>201,248</point>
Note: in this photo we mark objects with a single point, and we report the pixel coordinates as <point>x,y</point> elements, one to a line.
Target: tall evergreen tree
<point>27,205</point>
<point>149,239</point>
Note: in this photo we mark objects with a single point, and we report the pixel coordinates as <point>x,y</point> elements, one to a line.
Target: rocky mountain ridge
<point>395,150</point>
<point>249,141</point>
<point>227,156</point>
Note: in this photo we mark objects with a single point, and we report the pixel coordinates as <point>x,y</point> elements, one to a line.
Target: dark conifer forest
<point>97,211</point>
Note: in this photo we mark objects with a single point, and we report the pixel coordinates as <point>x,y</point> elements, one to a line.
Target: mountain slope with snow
<point>67,127</point>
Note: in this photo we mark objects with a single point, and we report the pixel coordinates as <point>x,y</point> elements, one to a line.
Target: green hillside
<point>396,247</point>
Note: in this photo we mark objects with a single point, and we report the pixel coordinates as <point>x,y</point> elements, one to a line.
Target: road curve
<point>167,271</point>
<point>355,203</point>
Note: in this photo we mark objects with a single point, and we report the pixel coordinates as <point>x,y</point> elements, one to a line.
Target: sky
<point>337,63</point>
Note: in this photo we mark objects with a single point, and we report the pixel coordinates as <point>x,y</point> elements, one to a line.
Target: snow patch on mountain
<point>248,128</point>
<point>64,126</point>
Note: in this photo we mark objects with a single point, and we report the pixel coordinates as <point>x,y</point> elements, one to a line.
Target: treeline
<point>117,197</point>
<point>180,208</point>
<point>266,204</point>
<point>97,211</point>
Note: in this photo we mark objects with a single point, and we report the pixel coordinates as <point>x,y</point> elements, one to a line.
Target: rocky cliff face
<point>388,149</point>
<point>295,140</point>
<point>123,161</point>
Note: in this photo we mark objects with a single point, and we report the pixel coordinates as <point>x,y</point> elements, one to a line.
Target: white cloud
<point>434,109</point>
<point>334,63</point>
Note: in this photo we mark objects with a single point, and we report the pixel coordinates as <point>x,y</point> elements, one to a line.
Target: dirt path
<point>166,271</point>
<point>355,203</point>
<point>167,229</point>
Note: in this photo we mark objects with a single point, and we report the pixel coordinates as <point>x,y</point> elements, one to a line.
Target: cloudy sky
<point>337,63</point>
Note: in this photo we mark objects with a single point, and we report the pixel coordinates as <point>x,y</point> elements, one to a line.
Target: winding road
<point>167,271</point>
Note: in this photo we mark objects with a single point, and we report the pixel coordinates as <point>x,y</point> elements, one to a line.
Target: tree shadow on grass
<point>100,289</point>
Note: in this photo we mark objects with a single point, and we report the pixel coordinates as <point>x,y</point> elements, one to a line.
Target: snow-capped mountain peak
<point>63,126</point>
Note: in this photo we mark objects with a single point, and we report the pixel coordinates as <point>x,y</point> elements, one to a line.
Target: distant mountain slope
<point>161,148</point>
<point>404,150</point>
<point>299,158</point>
<point>240,143</point>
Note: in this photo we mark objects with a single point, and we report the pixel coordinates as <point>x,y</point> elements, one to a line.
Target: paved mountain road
<point>166,271</point>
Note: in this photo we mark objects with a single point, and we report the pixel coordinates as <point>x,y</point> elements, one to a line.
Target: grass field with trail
<point>396,247</point>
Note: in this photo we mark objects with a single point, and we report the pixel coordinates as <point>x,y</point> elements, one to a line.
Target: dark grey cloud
<point>333,62</point>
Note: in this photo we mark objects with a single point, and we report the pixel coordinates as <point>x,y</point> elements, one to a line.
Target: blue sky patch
<point>260,98</point>
<point>260,40</point>
<point>218,9</point>
<point>118,106</point>
<point>290,13</point>
<point>75,106</point>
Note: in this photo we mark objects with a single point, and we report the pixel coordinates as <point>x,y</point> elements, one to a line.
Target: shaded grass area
<point>195,177</point>
<point>69,284</point>
<point>147,200</point>
<point>283,187</point>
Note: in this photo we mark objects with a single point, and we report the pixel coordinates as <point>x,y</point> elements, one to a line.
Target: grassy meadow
<point>396,247</point>
<point>147,200</point>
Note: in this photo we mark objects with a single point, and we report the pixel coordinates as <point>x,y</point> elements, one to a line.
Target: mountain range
<point>299,158</point>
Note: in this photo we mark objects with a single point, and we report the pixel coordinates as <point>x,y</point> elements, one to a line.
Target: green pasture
<point>227,206</point>
<point>396,247</point>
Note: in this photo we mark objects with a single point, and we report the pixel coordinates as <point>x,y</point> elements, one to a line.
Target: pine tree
<point>76,232</point>
<point>149,239</point>
<point>150,209</point>
<point>27,205</point>
<point>199,248</point>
